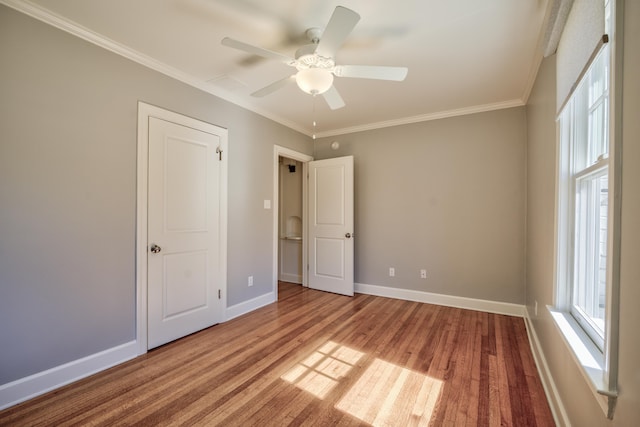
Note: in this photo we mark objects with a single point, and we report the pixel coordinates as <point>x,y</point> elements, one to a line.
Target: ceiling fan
<point>316,64</point>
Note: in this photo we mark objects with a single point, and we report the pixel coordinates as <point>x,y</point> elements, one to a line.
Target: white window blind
<point>581,39</point>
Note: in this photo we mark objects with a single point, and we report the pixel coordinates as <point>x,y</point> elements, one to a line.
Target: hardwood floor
<point>315,358</point>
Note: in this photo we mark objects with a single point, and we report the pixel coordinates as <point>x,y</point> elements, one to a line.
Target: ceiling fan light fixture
<point>314,81</point>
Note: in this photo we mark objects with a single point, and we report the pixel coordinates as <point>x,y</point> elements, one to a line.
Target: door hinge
<point>219,294</point>
<point>219,152</point>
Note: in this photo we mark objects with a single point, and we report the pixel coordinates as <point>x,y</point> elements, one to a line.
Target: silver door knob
<point>155,248</point>
<point>348,235</point>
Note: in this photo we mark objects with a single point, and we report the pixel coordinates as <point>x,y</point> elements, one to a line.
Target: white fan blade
<point>338,28</point>
<point>254,50</point>
<point>371,72</point>
<point>272,87</point>
<point>333,98</point>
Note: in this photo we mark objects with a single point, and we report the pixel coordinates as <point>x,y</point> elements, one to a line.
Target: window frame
<point>598,364</point>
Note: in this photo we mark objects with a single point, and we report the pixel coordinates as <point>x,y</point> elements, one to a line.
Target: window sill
<point>588,357</point>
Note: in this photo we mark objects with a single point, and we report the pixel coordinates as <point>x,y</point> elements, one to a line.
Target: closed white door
<point>183,264</point>
<point>331,225</point>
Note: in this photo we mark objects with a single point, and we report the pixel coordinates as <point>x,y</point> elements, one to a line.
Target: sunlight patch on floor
<point>385,394</point>
<point>323,369</point>
<point>388,394</point>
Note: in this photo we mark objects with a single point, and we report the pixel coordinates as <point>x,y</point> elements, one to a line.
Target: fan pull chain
<point>314,116</point>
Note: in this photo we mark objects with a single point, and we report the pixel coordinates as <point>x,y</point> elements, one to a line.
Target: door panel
<point>185,279</point>
<point>330,255</point>
<point>331,225</point>
<point>330,189</point>
<point>185,168</point>
<point>183,221</point>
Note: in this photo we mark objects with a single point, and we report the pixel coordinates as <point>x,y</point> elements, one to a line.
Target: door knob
<point>155,248</point>
<point>348,235</point>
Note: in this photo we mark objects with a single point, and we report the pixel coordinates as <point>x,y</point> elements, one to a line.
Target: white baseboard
<point>248,306</point>
<point>553,397</point>
<point>440,299</point>
<point>34,385</point>
<point>291,278</point>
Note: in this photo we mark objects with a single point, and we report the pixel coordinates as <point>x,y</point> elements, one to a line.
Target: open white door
<point>184,258</point>
<point>331,225</point>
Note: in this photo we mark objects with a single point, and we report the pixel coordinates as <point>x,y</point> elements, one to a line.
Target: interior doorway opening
<point>290,224</point>
<point>289,217</point>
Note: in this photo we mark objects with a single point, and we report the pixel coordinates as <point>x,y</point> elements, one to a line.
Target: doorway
<point>290,220</point>
<point>289,232</point>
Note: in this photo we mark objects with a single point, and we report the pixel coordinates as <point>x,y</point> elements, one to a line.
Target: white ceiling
<point>463,55</point>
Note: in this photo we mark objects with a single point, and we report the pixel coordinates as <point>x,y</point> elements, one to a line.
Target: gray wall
<point>578,400</point>
<point>68,114</point>
<point>445,195</point>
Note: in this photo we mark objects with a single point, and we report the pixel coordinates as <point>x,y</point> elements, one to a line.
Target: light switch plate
<point>267,204</point>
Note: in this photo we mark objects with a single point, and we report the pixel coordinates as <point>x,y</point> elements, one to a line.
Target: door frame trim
<point>304,159</point>
<point>145,111</point>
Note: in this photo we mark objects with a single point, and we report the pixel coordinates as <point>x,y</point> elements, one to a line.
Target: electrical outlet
<point>392,272</point>
<point>423,274</point>
<point>250,281</point>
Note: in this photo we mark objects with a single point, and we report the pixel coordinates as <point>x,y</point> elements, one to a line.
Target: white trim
<point>424,117</point>
<point>553,396</point>
<point>533,74</point>
<point>304,158</point>
<point>142,171</point>
<point>34,385</point>
<point>250,305</point>
<point>549,21</point>
<point>587,357</point>
<point>441,299</point>
<point>48,17</point>
<point>145,111</point>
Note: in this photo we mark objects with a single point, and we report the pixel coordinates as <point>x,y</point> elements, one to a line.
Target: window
<point>588,213</point>
<point>585,210</point>
<point>586,116</point>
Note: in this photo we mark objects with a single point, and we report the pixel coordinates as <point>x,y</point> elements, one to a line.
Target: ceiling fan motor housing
<point>307,57</point>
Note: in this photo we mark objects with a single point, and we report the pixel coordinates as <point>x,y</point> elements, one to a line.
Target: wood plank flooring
<point>315,358</point>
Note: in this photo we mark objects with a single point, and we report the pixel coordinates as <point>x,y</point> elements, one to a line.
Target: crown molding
<point>57,21</point>
<point>424,118</point>
<point>50,18</point>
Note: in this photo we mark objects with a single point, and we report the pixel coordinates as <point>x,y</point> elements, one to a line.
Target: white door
<point>331,225</point>
<point>183,267</point>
